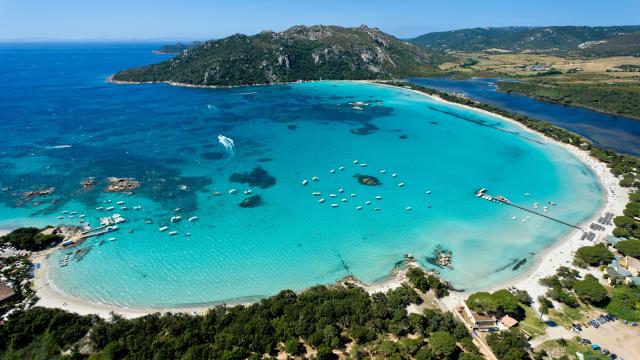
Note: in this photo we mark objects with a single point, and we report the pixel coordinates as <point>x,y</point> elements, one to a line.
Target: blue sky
<point>200,19</point>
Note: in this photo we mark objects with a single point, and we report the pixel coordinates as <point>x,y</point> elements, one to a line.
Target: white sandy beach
<point>546,263</point>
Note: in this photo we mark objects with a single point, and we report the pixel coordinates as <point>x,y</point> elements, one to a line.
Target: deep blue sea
<point>61,122</point>
<point>617,133</point>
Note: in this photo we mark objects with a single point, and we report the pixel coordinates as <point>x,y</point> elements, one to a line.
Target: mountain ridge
<point>519,38</point>
<point>300,53</point>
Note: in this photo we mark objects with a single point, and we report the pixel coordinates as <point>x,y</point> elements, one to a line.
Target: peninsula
<point>301,53</point>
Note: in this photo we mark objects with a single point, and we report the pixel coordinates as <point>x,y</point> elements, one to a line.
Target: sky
<point>203,20</point>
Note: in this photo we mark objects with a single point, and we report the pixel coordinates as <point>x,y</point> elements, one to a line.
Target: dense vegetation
<point>593,255</point>
<point>41,333</point>
<point>565,287</point>
<point>625,303</point>
<point>29,238</point>
<point>615,98</point>
<point>590,290</point>
<point>617,45</point>
<point>299,53</point>
<point>629,247</point>
<point>499,303</point>
<point>520,38</point>
<point>425,282</point>
<point>509,345</point>
<point>323,318</point>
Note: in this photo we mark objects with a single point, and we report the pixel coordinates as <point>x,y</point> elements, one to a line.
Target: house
<point>6,292</point>
<point>616,274</point>
<point>508,322</point>
<point>480,322</point>
<point>631,264</point>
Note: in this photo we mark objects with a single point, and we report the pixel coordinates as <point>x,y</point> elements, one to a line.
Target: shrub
<point>294,347</point>
<point>594,255</point>
<point>590,290</point>
<point>442,344</point>
<point>629,247</point>
<point>509,345</point>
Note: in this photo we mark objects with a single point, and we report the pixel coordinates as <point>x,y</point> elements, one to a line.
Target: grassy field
<point>556,350</point>
<point>607,84</point>
<point>565,316</point>
<point>510,64</point>
<point>532,324</point>
<point>620,98</point>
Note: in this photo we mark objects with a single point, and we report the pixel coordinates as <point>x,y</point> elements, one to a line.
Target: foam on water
<point>440,154</point>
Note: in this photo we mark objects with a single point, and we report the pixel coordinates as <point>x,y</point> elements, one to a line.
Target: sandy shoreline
<point>546,263</point>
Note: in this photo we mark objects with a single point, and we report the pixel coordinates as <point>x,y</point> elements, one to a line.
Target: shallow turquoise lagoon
<point>166,137</point>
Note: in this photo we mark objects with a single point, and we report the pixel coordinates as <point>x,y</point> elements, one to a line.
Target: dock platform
<point>482,194</point>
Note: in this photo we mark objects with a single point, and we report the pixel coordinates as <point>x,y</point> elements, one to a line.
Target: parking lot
<point>619,338</point>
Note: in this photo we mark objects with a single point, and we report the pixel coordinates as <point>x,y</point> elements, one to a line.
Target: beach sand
<point>546,263</point>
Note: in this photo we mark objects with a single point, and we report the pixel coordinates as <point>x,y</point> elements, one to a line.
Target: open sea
<point>61,122</point>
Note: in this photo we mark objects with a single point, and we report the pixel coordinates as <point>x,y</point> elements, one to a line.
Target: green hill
<point>520,38</point>
<point>177,48</point>
<point>299,53</point>
<point>619,45</point>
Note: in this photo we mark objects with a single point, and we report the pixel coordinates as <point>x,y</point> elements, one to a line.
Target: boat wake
<point>228,144</point>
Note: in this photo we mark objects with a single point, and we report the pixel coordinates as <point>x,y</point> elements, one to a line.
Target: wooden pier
<point>482,194</point>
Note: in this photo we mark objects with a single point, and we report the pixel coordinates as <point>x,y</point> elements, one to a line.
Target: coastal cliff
<point>298,54</point>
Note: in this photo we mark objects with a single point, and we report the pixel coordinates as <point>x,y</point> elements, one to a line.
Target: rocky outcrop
<point>251,201</point>
<point>368,180</point>
<point>122,184</point>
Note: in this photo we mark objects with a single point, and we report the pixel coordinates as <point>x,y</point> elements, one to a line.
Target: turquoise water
<point>167,138</point>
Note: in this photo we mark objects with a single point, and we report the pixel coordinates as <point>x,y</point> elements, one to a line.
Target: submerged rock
<point>366,129</point>
<point>404,137</point>
<point>213,155</point>
<point>257,177</point>
<point>368,180</point>
<point>251,201</point>
<point>88,183</point>
<point>292,127</point>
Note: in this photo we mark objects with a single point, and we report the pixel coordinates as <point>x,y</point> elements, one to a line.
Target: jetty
<point>482,194</point>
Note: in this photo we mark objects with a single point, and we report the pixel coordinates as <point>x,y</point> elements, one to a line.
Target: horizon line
<point>192,38</point>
